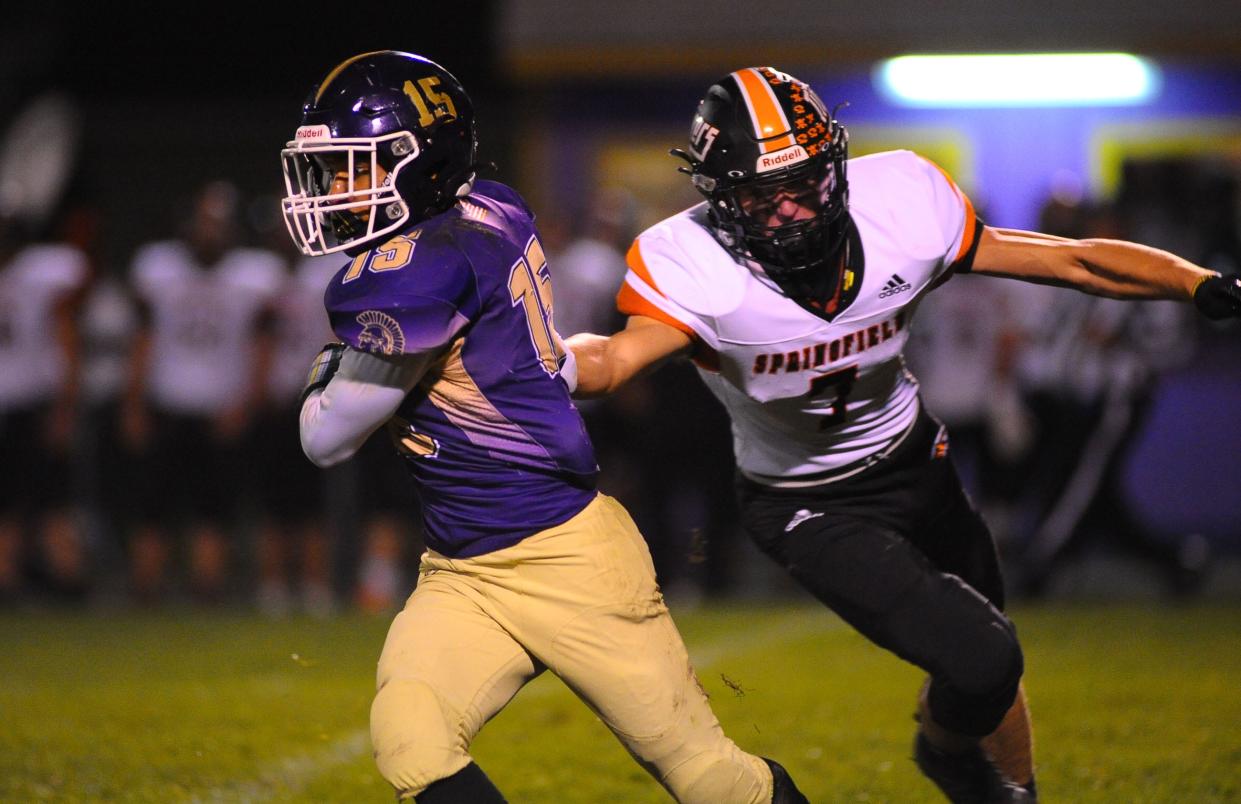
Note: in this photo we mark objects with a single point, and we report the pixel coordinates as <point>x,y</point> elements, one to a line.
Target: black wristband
<point>1218,297</point>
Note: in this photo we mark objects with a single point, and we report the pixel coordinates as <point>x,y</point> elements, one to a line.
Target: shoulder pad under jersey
<point>410,294</point>
<point>689,266</point>
<point>915,204</point>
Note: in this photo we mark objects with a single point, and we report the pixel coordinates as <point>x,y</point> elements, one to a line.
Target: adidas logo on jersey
<point>894,286</point>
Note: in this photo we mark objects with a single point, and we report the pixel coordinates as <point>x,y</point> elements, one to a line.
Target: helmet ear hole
<point>403,146</point>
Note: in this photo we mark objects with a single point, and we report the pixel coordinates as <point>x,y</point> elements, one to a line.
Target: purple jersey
<point>496,446</point>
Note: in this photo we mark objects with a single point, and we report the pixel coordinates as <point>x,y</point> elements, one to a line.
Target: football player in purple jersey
<point>792,287</point>
<point>444,308</point>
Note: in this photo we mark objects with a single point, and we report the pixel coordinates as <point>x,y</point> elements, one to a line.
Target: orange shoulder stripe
<point>971,217</point>
<point>630,302</point>
<point>633,258</point>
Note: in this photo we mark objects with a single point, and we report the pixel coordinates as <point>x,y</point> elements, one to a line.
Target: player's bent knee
<point>697,763</point>
<point>976,694</point>
<point>415,738</point>
<point>995,662</point>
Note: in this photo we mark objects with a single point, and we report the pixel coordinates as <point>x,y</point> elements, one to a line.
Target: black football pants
<point>900,553</point>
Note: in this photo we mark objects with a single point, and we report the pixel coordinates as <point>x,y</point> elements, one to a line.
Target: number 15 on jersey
<point>530,285</point>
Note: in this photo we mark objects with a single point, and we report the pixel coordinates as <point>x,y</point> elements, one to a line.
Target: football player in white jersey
<point>792,287</point>
<point>196,379</point>
<point>40,293</point>
<point>293,532</point>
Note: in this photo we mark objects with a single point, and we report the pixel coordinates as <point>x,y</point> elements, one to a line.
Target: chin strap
<point>822,288</point>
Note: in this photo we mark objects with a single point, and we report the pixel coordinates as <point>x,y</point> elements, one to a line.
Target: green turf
<point>1130,703</point>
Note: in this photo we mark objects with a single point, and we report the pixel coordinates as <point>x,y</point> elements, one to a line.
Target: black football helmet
<point>761,137</point>
<point>389,110</point>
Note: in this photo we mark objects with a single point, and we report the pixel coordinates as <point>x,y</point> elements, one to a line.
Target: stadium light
<point>1026,79</point>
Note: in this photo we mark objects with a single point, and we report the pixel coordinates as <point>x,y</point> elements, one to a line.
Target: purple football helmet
<point>389,115</point>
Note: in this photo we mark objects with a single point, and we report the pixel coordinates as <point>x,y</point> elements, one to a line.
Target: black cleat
<point>968,778</point>
<point>783,791</point>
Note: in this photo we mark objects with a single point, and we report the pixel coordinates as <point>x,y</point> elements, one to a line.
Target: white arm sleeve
<point>365,392</point>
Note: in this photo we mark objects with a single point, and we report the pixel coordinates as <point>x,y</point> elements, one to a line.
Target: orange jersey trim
<point>630,302</point>
<point>633,258</point>
<point>971,217</point>
<point>768,118</point>
<point>971,224</point>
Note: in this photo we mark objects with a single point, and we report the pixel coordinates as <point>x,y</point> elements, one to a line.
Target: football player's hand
<point>323,368</point>
<point>1219,297</point>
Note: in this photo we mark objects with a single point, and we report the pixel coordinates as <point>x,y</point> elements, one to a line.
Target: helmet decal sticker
<point>781,158</point>
<point>313,133</point>
<point>701,137</point>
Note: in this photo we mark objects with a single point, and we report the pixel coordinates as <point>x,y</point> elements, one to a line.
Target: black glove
<point>323,368</point>
<point>1219,297</point>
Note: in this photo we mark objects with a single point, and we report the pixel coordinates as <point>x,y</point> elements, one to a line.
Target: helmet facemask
<point>321,221</point>
<point>792,222</point>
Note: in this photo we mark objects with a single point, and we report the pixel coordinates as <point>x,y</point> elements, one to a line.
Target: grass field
<point>1131,704</point>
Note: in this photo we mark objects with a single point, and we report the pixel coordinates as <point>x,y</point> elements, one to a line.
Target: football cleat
<point>968,778</point>
<point>783,791</point>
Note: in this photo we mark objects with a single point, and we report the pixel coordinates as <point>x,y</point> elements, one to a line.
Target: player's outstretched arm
<point>1113,268</point>
<point>605,363</point>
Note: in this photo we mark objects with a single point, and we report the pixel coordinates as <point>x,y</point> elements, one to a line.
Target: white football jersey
<point>32,365</point>
<point>811,400</point>
<point>302,326</point>
<point>203,323</point>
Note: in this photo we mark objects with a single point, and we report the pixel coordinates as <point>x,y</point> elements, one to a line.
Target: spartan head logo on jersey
<point>381,333</point>
<point>761,137</point>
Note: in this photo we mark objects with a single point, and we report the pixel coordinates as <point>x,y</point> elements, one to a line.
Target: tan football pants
<point>581,600</point>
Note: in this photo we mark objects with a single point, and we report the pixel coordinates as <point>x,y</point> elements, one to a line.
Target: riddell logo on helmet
<point>778,159</point>
<point>313,133</point>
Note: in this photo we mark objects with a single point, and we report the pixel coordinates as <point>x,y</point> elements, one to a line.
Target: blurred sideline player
<point>1090,378</point>
<point>197,375</point>
<point>445,309</point>
<point>965,353</point>
<point>41,288</point>
<point>792,288</point>
<point>293,535</point>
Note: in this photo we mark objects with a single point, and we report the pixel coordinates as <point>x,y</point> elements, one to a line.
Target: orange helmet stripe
<point>338,68</point>
<point>765,112</point>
